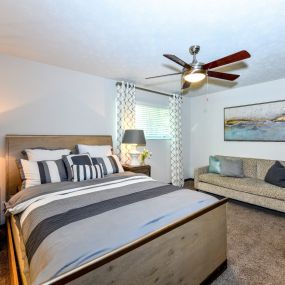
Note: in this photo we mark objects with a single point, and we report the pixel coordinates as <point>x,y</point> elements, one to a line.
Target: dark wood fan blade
<point>222,75</point>
<point>176,73</point>
<point>177,60</point>
<point>228,59</point>
<point>186,84</point>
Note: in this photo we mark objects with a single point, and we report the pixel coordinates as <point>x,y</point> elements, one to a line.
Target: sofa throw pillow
<point>75,159</point>
<point>214,165</point>
<point>231,167</point>
<point>87,172</point>
<point>111,164</point>
<point>276,175</point>
<point>41,172</point>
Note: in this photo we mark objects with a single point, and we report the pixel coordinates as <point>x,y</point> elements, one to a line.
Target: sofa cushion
<point>249,167</point>
<point>246,184</point>
<point>276,175</point>
<point>263,166</point>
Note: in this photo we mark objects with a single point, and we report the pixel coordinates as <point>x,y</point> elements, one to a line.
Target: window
<point>153,120</point>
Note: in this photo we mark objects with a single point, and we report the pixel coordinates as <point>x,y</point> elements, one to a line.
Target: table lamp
<point>136,138</point>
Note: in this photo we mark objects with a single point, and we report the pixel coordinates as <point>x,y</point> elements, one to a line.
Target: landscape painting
<point>256,122</point>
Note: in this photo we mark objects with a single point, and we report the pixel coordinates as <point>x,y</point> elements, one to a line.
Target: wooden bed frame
<point>189,251</point>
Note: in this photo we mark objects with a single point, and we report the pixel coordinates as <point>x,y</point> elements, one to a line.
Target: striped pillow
<point>75,159</point>
<point>111,164</point>
<point>87,172</point>
<point>41,172</point>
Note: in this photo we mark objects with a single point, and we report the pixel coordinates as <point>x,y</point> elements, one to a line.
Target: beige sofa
<point>251,189</point>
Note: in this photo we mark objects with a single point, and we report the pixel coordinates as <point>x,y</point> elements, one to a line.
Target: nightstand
<point>145,169</point>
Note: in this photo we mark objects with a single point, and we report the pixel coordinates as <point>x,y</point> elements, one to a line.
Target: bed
<point>180,239</point>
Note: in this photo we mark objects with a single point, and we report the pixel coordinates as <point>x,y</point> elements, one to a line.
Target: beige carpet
<point>256,247</point>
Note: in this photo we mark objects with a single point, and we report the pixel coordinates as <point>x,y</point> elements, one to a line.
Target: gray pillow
<point>231,167</point>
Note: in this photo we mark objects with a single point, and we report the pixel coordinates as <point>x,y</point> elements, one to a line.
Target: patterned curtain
<point>126,107</point>
<point>176,160</point>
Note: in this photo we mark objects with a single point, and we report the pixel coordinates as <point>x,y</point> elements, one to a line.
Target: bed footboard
<point>186,252</point>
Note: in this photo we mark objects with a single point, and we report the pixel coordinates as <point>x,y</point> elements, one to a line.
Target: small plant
<point>144,155</point>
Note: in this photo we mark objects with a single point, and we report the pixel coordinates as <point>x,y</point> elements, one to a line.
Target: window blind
<point>153,120</point>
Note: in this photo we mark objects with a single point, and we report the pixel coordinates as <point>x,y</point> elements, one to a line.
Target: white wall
<point>41,99</point>
<point>207,129</point>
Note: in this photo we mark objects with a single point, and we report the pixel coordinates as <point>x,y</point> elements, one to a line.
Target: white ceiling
<point>123,39</point>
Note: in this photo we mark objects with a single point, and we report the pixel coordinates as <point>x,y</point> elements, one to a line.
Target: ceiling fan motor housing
<point>195,64</point>
<point>194,49</point>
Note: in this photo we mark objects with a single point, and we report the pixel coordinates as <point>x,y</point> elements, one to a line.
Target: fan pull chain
<point>207,86</point>
<point>206,100</point>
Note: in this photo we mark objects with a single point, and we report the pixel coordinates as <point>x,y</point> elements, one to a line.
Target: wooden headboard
<point>15,144</point>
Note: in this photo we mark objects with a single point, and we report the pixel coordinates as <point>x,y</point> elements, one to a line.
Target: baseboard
<point>216,273</point>
<point>185,180</point>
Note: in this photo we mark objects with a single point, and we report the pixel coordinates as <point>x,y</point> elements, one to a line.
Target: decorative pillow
<point>41,172</point>
<point>214,165</point>
<point>87,172</point>
<point>276,175</point>
<point>94,150</point>
<point>111,164</point>
<point>75,159</point>
<point>40,154</point>
<point>231,167</point>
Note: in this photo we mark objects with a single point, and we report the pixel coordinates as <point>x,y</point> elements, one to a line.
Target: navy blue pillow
<point>276,175</point>
<point>75,159</point>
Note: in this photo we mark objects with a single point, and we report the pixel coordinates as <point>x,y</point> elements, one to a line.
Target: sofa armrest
<point>198,172</point>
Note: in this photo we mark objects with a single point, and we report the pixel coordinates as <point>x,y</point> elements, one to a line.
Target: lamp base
<point>134,158</point>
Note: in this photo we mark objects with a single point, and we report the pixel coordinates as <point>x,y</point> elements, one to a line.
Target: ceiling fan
<point>197,71</point>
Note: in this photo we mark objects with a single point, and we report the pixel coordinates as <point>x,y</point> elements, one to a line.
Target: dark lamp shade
<point>134,137</point>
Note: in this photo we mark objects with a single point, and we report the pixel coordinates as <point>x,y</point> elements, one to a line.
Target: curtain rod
<point>150,90</point>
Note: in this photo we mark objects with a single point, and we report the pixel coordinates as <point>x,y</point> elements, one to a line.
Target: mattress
<point>63,226</point>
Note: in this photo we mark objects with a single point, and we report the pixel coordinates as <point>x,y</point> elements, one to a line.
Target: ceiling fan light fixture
<point>196,71</point>
<point>195,76</point>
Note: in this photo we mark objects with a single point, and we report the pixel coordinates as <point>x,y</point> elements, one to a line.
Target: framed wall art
<point>255,122</point>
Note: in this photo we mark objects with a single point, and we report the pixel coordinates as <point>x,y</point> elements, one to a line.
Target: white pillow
<point>46,154</point>
<point>95,150</point>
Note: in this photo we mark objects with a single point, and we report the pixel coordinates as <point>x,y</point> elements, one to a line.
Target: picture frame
<point>258,122</point>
